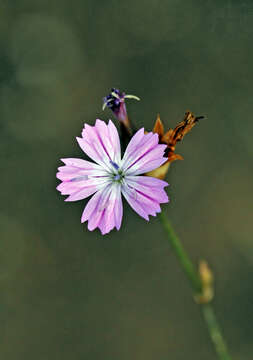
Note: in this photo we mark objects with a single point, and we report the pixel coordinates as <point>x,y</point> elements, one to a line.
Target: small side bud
<point>206,278</point>
<point>205,273</point>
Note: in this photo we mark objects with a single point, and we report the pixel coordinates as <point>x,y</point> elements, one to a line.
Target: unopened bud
<point>206,278</point>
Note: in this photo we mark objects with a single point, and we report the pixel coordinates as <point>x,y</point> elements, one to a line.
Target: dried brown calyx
<point>170,138</point>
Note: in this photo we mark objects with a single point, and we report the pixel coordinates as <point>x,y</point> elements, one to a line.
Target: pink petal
<point>100,210</point>
<point>71,187</point>
<point>149,181</point>
<point>80,178</point>
<point>69,174</point>
<point>131,199</point>
<point>150,187</point>
<point>107,222</point>
<point>143,152</point>
<point>76,168</point>
<point>110,137</point>
<point>80,163</point>
<point>85,191</point>
<point>135,141</point>
<point>139,140</point>
<point>101,143</point>
<point>92,150</point>
<point>114,138</point>
<point>92,204</point>
<point>144,196</point>
<point>118,209</point>
<point>149,161</point>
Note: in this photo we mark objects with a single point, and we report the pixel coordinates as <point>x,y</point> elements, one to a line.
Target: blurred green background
<point>67,293</point>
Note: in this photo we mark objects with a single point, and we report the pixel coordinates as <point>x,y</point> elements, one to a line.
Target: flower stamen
<point>116,166</point>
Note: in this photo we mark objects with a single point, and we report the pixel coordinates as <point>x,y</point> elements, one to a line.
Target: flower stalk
<point>198,287</point>
<point>182,255</point>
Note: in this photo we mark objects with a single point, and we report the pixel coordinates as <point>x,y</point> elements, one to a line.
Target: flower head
<point>116,102</point>
<point>110,176</point>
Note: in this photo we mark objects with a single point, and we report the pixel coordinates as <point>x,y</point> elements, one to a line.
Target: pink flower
<point>110,176</point>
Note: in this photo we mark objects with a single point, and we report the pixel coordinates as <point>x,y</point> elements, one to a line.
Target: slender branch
<point>215,332</point>
<point>196,284</point>
<point>181,254</point>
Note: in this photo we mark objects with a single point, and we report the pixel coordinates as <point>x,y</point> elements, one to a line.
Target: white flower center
<point>118,175</point>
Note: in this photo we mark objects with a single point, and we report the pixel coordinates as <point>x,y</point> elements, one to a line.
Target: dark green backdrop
<point>66,293</point>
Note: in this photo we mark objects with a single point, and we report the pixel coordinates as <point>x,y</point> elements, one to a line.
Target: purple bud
<point>116,102</point>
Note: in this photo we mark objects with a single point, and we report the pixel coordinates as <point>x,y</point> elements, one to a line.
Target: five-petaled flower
<point>110,176</point>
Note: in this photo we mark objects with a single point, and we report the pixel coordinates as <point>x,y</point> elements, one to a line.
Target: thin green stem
<point>181,254</point>
<point>196,284</point>
<point>215,332</point>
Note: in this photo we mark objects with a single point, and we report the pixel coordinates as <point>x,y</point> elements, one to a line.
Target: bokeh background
<point>66,293</point>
